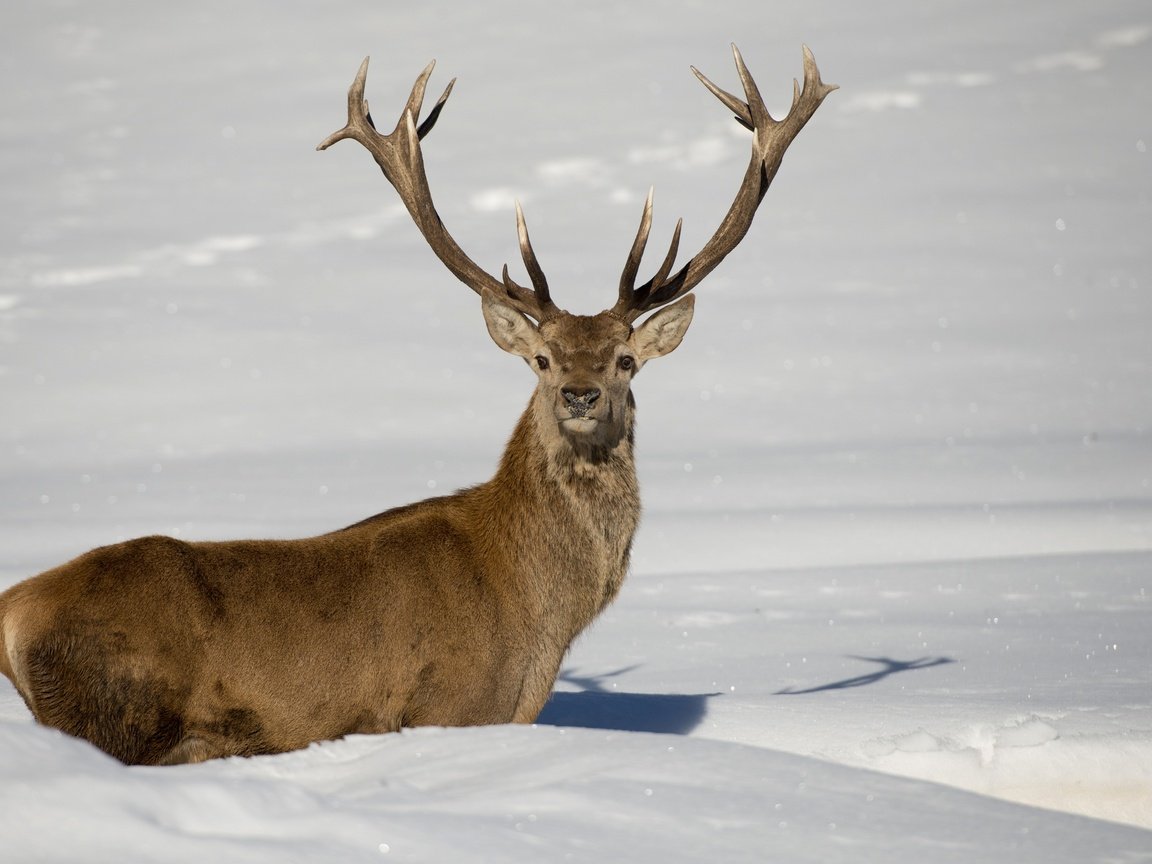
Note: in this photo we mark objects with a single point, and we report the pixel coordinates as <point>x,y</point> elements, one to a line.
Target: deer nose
<point>578,394</point>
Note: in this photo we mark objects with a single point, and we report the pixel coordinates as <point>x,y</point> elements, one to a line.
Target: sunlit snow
<point>892,595</point>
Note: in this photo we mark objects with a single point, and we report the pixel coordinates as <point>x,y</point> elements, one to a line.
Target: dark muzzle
<point>580,400</point>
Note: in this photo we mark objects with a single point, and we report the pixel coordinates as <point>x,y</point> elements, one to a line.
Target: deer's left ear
<point>510,328</point>
<point>663,331</point>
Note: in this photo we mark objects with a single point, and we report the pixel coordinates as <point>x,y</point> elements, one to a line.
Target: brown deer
<point>452,611</point>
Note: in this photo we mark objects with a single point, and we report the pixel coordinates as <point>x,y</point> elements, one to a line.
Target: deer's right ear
<point>510,328</point>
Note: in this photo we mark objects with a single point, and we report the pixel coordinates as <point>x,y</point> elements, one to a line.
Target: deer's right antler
<point>400,158</point>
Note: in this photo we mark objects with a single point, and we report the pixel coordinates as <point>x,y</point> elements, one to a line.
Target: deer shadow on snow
<point>888,667</point>
<point>597,706</point>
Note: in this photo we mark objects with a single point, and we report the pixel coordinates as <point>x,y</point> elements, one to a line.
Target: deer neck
<point>579,500</point>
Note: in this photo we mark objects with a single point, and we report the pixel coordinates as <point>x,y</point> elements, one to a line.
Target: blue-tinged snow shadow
<point>888,666</point>
<point>598,707</point>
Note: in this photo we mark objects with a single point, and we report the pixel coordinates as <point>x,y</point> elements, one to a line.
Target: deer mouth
<point>579,423</point>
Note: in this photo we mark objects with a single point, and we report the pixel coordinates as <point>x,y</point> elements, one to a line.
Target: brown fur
<point>452,611</point>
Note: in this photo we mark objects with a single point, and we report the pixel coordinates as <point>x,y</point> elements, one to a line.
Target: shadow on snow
<point>598,707</point>
<point>888,666</point>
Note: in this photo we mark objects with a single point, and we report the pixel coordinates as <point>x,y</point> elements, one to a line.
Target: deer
<point>453,611</point>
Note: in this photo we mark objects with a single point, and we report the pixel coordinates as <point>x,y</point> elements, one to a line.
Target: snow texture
<point>892,594</point>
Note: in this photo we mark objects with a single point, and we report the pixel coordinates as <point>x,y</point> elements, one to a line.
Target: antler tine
<point>670,258</point>
<point>770,140</point>
<point>632,265</point>
<point>535,273</point>
<point>806,98</point>
<point>357,111</point>
<point>416,97</point>
<point>629,295</point>
<point>736,106</point>
<point>434,114</point>
<point>400,158</point>
<point>416,101</point>
<point>761,119</point>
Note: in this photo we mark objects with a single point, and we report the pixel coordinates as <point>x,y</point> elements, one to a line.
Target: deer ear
<point>662,332</point>
<point>510,328</point>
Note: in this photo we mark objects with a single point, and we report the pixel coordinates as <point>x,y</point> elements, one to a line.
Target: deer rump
<point>453,611</point>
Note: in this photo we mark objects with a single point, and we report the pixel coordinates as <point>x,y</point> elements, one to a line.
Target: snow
<point>891,597</point>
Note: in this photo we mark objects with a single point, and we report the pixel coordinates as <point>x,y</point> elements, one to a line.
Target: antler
<point>399,156</point>
<point>770,138</point>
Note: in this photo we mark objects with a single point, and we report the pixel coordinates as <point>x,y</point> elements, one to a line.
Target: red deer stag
<point>452,611</point>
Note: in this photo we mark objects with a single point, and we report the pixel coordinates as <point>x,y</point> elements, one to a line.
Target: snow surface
<point>898,479</point>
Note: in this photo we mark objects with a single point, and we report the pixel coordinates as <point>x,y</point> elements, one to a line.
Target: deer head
<point>585,364</point>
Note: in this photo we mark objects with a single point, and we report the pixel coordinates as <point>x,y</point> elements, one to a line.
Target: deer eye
<point>626,363</point>
<point>542,361</point>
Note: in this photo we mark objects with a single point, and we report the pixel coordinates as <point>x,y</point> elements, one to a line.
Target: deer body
<point>452,611</point>
<point>421,615</point>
